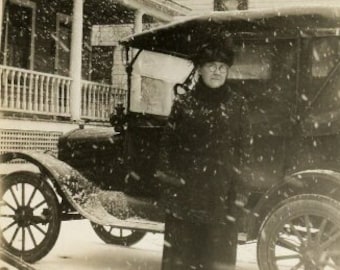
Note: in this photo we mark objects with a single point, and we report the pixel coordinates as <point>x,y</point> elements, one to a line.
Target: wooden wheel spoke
<point>14,197</point>
<point>7,216</point>
<point>38,205</point>
<point>9,226</point>
<point>308,224</point>
<point>287,257</point>
<point>32,196</point>
<point>330,241</point>
<point>14,235</point>
<point>321,230</point>
<point>111,228</point>
<point>8,204</point>
<point>32,236</point>
<point>23,239</point>
<point>296,232</point>
<point>23,194</point>
<point>39,229</point>
<point>121,232</point>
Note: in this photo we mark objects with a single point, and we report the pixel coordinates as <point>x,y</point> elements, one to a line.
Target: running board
<point>138,225</point>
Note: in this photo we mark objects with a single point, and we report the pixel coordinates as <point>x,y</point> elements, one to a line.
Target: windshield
<point>154,76</point>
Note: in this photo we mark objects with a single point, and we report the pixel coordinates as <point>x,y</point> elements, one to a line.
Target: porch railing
<point>99,100</point>
<point>34,92</point>
<point>29,91</point>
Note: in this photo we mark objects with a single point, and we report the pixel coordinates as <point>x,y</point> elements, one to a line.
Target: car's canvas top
<point>182,37</point>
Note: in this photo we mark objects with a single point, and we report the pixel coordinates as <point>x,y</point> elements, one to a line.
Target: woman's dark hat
<point>214,51</point>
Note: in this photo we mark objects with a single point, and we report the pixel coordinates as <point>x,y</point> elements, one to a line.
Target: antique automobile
<point>287,65</point>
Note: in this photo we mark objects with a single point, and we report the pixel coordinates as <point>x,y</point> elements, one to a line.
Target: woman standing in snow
<point>202,156</point>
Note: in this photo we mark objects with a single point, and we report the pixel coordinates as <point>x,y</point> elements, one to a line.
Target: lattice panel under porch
<point>19,140</point>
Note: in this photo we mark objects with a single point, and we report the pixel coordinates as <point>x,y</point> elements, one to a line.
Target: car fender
<point>70,184</point>
<point>323,182</point>
<point>100,207</point>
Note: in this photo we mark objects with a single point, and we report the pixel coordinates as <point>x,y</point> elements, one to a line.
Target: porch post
<point>136,80</point>
<point>75,62</point>
<point>2,9</point>
<point>138,25</point>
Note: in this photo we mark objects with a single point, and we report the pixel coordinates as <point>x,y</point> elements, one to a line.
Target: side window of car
<point>325,55</point>
<point>325,79</point>
<point>253,61</point>
<point>319,57</point>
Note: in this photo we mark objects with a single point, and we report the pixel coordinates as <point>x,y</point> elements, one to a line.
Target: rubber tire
<point>46,243</point>
<point>312,204</point>
<point>111,239</point>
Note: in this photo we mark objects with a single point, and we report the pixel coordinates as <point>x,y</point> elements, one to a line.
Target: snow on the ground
<point>78,247</point>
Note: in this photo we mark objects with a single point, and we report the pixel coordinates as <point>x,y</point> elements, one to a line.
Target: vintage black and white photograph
<point>170,134</point>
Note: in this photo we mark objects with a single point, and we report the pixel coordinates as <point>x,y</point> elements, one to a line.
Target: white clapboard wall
<point>198,6</point>
<point>252,4</point>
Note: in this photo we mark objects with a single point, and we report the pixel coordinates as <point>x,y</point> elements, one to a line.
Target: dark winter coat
<point>205,148</point>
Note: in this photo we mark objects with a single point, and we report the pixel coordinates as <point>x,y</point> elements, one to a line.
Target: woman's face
<point>213,74</point>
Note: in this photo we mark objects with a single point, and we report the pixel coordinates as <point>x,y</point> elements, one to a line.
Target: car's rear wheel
<point>303,232</point>
<point>117,236</point>
<point>29,215</point>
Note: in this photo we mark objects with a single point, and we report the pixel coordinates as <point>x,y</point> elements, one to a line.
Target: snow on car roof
<point>182,37</point>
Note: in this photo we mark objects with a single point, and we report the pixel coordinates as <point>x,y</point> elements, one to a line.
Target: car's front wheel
<point>29,215</point>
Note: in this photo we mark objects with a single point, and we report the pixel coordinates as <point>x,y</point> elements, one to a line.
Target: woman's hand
<point>241,199</point>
